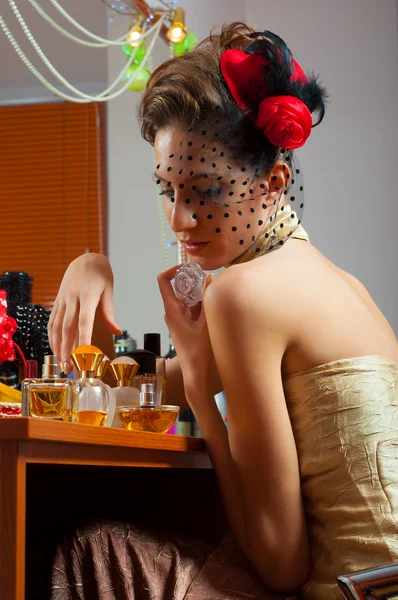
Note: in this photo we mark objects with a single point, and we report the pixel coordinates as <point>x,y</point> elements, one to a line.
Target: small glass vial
<point>50,396</point>
<point>188,283</point>
<point>149,416</point>
<point>91,396</point>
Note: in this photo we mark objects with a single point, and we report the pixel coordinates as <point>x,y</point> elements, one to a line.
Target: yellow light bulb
<point>177,32</point>
<point>134,36</point>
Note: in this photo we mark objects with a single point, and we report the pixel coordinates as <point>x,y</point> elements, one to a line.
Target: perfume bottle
<point>99,374</point>
<point>31,373</point>
<point>147,372</point>
<point>149,416</point>
<point>152,343</point>
<point>124,369</point>
<point>188,283</point>
<point>50,396</point>
<point>91,396</point>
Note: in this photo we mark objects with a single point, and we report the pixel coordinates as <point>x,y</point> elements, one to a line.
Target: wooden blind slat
<point>52,190</point>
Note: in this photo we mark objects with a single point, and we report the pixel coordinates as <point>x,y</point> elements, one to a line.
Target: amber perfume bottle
<point>149,416</point>
<point>50,396</point>
<point>91,396</point>
<point>124,369</point>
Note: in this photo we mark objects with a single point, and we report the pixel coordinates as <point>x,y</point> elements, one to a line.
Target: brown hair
<point>188,87</point>
<point>191,88</point>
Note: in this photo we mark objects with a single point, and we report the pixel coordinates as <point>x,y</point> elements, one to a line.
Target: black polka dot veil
<point>228,195</point>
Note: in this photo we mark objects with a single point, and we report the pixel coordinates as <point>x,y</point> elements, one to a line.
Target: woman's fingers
<point>106,305</point>
<point>57,330</point>
<point>170,300</point>
<point>88,307</point>
<point>69,329</point>
<point>51,322</point>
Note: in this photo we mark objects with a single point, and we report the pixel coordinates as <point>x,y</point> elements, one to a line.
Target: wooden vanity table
<point>51,471</point>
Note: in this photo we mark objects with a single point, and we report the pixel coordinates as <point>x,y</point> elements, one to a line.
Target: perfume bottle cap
<point>124,369</point>
<point>152,343</point>
<point>103,367</point>
<point>145,359</point>
<point>51,366</point>
<point>31,369</point>
<point>148,395</point>
<point>87,359</point>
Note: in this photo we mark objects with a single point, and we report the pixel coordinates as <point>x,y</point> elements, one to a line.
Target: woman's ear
<point>277,179</point>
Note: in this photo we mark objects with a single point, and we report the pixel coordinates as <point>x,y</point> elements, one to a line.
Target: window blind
<point>52,190</point>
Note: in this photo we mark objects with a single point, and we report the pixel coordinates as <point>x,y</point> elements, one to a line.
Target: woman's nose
<point>182,216</point>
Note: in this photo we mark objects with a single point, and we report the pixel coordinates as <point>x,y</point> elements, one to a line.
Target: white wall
<point>350,161</point>
<point>84,67</point>
<point>134,241</point>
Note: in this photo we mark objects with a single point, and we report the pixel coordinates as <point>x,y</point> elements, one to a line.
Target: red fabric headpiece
<point>285,120</point>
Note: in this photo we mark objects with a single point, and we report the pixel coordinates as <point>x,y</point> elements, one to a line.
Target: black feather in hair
<point>279,72</point>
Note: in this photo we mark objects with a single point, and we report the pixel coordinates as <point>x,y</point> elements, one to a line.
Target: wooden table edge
<point>29,429</point>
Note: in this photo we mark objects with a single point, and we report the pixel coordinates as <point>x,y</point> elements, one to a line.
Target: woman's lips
<point>195,248</point>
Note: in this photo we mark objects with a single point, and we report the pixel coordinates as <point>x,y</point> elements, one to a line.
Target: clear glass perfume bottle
<point>149,416</point>
<point>48,397</point>
<point>188,283</point>
<point>124,369</point>
<point>99,374</point>
<point>91,396</point>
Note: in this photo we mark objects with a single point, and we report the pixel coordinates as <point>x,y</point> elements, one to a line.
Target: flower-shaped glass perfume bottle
<point>91,396</point>
<point>149,416</point>
<point>188,283</point>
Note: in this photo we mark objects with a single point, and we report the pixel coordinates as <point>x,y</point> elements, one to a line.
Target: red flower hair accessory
<point>286,120</point>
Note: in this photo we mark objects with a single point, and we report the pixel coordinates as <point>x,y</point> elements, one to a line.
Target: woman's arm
<point>256,460</point>
<point>175,383</point>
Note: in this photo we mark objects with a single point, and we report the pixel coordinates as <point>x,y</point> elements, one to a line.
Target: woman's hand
<point>86,285</point>
<point>188,329</point>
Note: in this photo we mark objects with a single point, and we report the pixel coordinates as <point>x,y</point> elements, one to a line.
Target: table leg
<point>12,521</point>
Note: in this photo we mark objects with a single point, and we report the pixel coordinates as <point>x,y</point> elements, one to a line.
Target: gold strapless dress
<point>344,416</point>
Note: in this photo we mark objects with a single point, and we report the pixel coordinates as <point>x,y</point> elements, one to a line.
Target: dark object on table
<point>381,583</point>
<point>152,343</point>
<point>18,286</point>
<point>32,319</point>
<point>146,360</point>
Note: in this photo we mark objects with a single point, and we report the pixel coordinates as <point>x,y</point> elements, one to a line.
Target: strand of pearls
<point>81,28</point>
<point>106,43</point>
<point>84,97</point>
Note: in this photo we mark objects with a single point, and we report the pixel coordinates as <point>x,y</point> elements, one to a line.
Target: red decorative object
<point>8,327</point>
<point>10,409</point>
<point>286,120</point>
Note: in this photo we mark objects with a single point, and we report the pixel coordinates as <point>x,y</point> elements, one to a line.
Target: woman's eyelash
<point>212,192</point>
<point>168,192</point>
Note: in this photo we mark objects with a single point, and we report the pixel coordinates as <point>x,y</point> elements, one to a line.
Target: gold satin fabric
<point>284,224</point>
<point>344,416</point>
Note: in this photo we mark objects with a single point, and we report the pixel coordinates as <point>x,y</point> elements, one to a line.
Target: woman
<point>307,467</point>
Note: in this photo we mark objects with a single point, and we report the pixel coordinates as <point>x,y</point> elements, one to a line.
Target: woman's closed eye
<point>166,192</point>
<point>211,192</point>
